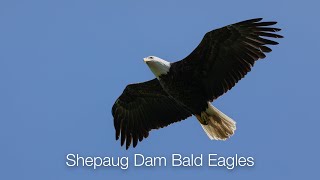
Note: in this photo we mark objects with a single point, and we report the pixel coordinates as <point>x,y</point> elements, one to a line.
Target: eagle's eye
<point>150,57</point>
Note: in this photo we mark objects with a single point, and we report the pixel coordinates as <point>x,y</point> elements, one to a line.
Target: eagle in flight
<point>187,87</point>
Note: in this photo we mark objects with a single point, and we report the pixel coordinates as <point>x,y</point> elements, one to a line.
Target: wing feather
<point>143,107</point>
<point>226,55</point>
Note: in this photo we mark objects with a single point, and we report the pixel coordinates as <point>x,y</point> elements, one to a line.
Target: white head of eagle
<point>157,65</point>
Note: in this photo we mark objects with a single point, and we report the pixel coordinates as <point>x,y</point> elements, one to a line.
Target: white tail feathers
<point>219,126</point>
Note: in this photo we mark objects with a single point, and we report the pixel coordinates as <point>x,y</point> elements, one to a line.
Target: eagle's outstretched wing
<point>142,107</point>
<point>226,55</point>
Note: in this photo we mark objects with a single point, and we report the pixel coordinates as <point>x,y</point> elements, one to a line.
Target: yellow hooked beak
<point>146,60</point>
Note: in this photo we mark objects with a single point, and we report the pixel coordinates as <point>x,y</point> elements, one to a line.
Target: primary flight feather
<point>186,87</point>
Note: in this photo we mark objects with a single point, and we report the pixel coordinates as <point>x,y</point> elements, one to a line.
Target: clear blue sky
<point>64,62</point>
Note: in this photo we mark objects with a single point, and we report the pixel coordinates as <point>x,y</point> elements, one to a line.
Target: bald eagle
<point>187,87</point>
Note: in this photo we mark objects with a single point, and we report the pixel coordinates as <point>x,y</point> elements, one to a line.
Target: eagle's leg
<point>203,118</point>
